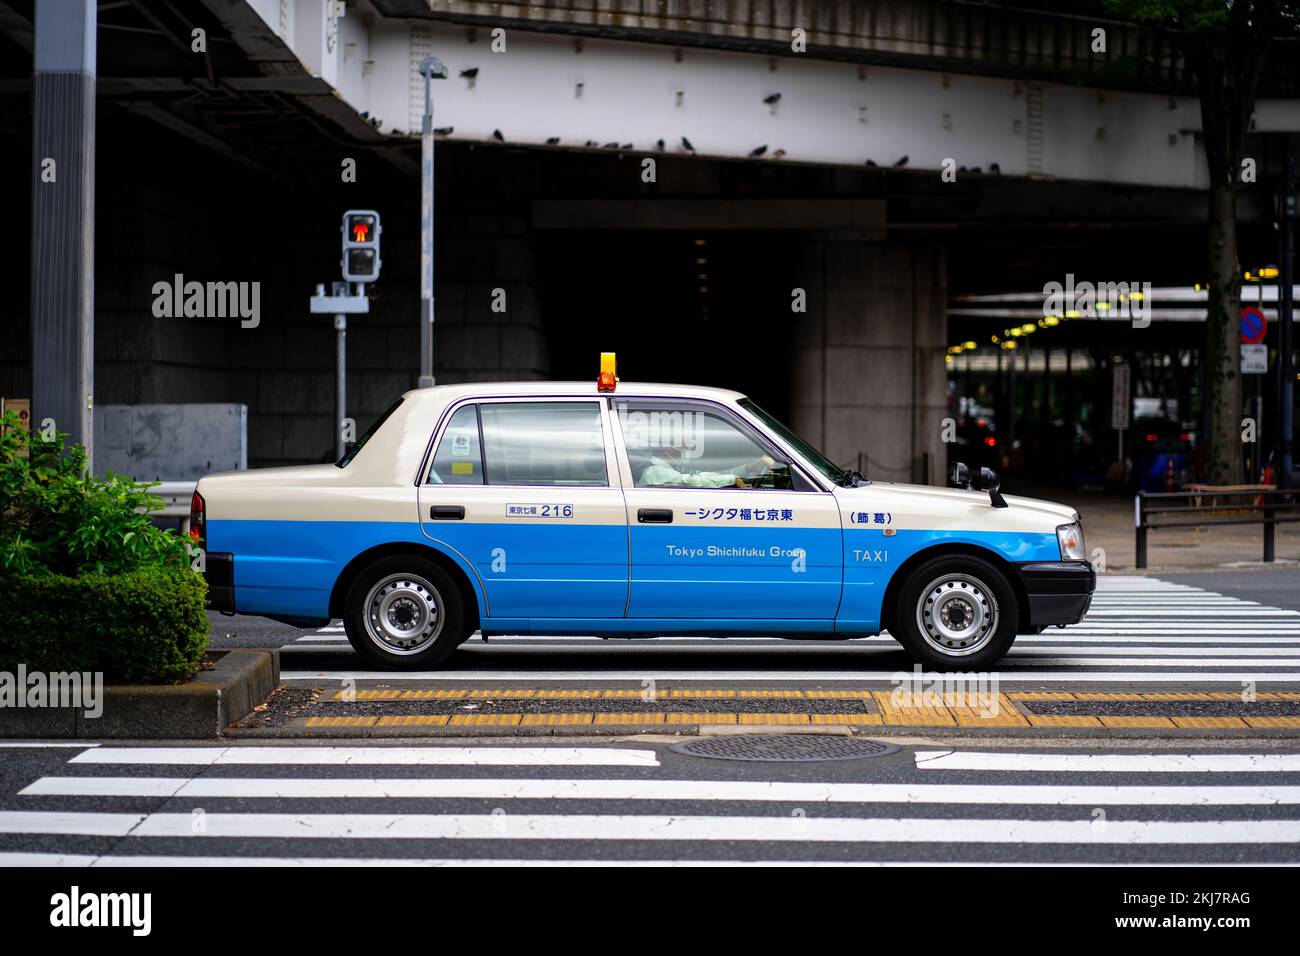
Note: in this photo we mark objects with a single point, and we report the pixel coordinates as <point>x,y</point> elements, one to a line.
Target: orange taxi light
<point>607,381</point>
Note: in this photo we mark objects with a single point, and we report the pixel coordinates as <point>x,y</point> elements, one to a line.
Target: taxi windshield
<point>811,454</point>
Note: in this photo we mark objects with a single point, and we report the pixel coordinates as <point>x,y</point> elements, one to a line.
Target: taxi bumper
<point>219,572</point>
<point>1059,592</point>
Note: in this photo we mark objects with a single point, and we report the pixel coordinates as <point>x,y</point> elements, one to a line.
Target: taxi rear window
<point>522,443</point>
<point>458,459</point>
<point>352,451</point>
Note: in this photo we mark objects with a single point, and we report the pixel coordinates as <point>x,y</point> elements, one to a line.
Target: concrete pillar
<point>63,217</point>
<point>868,376</point>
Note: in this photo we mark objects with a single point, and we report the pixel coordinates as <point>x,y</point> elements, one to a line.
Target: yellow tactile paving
<point>554,720</point>
<point>685,693</point>
<point>628,719</point>
<point>1003,715</point>
<point>773,718</point>
<point>1106,695</point>
<point>838,695</point>
<point>413,720</point>
<point>500,693</point>
<point>1289,722</point>
<point>1061,720</point>
<point>485,720</point>
<point>699,718</point>
<point>368,695</point>
<point>341,721</point>
<point>911,716</point>
<point>440,694</point>
<point>1128,721</point>
<point>1209,723</point>
<point>1041,695</point>
<point>874,720</point>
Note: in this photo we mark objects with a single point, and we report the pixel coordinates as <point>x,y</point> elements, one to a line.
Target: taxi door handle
<point>447,512</point>
<point>654,515</point>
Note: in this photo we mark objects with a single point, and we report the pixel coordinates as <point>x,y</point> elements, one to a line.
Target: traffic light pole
<point>342,302</point>
<point>340,383</point>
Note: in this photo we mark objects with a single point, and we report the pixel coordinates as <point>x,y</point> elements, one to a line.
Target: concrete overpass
<point>1097,174</point>
<point>911,82</point>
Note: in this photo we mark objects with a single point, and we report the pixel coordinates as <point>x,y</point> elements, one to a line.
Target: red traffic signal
<point>361,230</point>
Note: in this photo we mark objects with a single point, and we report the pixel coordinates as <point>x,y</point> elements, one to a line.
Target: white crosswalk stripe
<point>1139,629</point>
<point>636,806</point>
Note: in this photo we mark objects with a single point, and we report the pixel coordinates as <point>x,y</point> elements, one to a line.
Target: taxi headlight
<point>1070,537</point>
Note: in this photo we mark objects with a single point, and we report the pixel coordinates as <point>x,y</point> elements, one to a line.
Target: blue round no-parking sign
<point>1253,325</point>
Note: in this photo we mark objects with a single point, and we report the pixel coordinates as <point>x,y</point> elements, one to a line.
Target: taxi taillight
<point>607,381</point>
<point>198,517</point>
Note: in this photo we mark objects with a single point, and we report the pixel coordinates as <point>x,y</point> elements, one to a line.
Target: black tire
<point>404,589</point>
<point>982,614</point>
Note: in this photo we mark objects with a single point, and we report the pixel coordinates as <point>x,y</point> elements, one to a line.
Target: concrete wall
<point>868,376</point>
<point>483,334</point>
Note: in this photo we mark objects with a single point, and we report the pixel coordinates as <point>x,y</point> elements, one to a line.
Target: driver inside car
<point>665,471</point>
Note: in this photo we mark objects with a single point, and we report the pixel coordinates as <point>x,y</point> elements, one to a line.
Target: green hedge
<point>148,625</point>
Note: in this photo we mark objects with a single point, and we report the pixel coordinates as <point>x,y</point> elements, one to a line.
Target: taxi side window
<point>685,447</point>
<point>543,443</point>
<point>459,460</point>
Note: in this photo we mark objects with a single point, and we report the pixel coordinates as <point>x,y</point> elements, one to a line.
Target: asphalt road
<point>1156,633</point>
<point>1278,586</point>
<point>1087,797</point>
<point>637,800</point>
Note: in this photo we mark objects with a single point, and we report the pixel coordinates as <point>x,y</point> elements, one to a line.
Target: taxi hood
<point>1062,514</point>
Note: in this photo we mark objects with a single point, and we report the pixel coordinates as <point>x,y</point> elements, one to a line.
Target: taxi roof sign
<point>607,381</point>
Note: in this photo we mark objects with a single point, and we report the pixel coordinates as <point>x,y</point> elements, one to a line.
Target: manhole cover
<point>784,747</point>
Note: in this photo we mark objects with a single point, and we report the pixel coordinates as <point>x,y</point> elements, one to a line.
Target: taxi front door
<point>721,527</point>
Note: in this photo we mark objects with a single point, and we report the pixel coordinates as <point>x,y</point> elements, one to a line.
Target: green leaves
<point>55,518</point>
<point>149,625</point>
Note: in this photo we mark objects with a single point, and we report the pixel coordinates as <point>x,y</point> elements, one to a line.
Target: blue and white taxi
<point>622,509</point>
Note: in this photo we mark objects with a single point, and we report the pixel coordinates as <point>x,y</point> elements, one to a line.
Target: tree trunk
<point>1222,337</point>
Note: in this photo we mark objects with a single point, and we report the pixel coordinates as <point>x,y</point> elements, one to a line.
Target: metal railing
<point>1189,509</point>
<point>176,497</point>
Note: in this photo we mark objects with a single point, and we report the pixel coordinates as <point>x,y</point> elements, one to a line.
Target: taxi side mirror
<point>988,480</point>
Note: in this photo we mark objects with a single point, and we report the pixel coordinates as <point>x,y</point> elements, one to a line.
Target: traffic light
<point>361,232</point>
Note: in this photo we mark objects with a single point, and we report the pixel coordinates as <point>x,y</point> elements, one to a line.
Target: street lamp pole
<point>431,68</point>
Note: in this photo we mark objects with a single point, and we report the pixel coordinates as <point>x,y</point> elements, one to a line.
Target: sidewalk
<point>1108,524</point>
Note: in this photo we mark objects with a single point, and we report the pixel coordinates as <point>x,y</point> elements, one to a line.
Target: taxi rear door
<point>765,548</point>
<point>525,490</point>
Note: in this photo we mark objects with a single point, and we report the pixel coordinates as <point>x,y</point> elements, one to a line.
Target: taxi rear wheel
<point>404,611</point>
<point>956,613</point>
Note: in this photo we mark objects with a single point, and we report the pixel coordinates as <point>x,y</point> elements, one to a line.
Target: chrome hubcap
<point>957,614</point>
<point>403,614</point>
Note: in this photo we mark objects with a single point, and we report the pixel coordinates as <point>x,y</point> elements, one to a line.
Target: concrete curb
<point>199,709</point>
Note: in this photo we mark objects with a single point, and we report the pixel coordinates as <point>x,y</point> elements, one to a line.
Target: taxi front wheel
<point>404,611</point>
<point>956,613</point>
